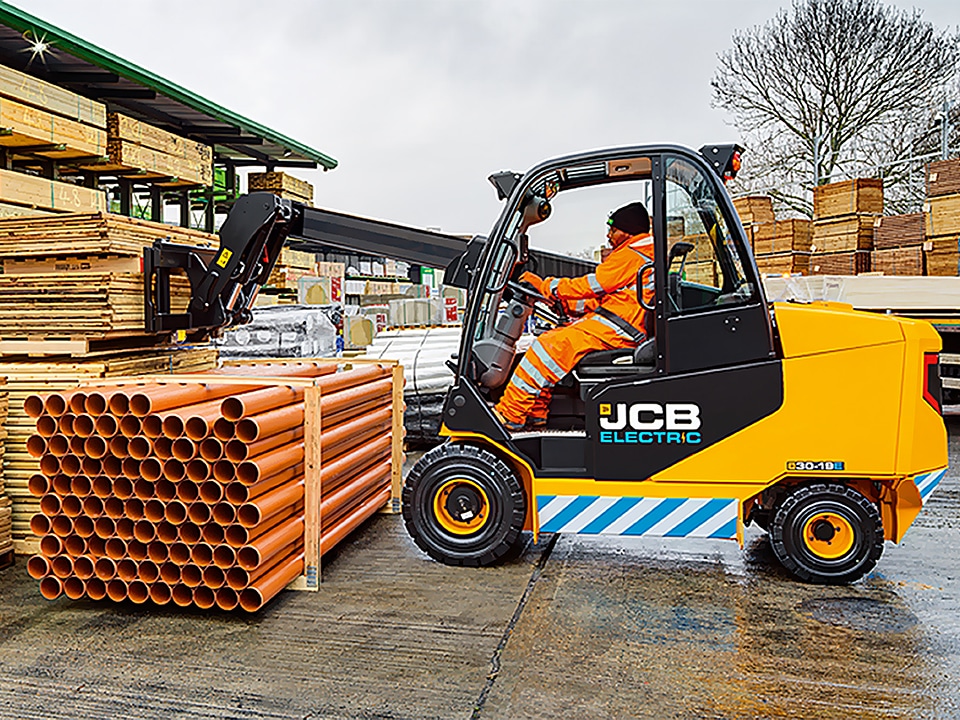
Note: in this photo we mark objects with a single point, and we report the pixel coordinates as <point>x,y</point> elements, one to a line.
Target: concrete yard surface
<point>578,627</point>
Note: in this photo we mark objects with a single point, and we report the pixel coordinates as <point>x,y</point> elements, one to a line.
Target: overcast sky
<point>420,100</point>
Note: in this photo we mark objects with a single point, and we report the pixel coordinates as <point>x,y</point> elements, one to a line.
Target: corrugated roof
<point>95,73</point>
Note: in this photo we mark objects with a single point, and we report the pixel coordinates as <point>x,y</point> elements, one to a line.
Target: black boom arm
<point>223,283</point>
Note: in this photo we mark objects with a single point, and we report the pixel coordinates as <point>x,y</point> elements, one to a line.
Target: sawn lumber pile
<point>214,492</point>
<point>282,185</point>
<point>81,274</point>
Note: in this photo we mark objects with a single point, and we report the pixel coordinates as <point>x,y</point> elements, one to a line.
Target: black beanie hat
<point>632,219</point>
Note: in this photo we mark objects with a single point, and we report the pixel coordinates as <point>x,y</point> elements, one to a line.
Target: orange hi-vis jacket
<point>613,286</point>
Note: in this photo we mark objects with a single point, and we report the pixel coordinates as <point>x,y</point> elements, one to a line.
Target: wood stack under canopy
<point>79,278</point>
<point>42,122</point>
<point>27,377</point>
<point>843,217</point>
<point>943,218</point>
<point>153,153</point>
<point>898,245</point>
<point>6,506</point>
<point>282,185</point>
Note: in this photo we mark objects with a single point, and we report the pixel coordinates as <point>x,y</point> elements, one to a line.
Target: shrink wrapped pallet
<point>290,331</point>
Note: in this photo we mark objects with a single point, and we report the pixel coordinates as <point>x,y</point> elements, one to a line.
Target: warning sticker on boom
<point>224,258</point>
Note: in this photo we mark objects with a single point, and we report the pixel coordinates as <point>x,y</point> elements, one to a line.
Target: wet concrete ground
<point>576,628</point>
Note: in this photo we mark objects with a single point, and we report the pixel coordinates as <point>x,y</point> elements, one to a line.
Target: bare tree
<point>832,88</point>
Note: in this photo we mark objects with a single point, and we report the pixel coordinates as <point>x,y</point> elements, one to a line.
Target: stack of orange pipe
<point>194,493</point>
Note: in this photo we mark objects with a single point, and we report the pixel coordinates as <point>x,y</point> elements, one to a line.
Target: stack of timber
<point>943,218</point>
<point>282,185</point>
<point>137,146</point>
<point>898,245</point>
<point>6,506</point>
<point>218,492</point>
<point>843,217</point>
<point>28,377</point>
<point>73,280</point>
<point>284,281</point>
<point>784,247</point>
<point>756,216</point>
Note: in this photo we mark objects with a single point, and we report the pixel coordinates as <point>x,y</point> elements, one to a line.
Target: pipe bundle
<point>193,493</point>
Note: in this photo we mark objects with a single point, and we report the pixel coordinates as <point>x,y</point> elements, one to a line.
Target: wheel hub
<point>828,535</point>
<point>461,506</point>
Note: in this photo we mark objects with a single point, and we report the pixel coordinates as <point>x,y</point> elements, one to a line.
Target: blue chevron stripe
<point>712,508</point>
<point>615,511</point>
<point>644,524</point>
<point>568,513</point>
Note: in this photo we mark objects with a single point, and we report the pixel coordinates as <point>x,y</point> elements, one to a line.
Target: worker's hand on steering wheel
<point>533,279</point>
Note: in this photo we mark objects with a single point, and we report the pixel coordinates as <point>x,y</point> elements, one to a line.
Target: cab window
<point>705,265</point>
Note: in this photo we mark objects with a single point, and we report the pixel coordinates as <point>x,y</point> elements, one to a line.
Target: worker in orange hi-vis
<point>614,318</point>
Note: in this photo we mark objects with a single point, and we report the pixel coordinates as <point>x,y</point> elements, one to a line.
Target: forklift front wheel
<point>827,534</point>
<point>464,506</point>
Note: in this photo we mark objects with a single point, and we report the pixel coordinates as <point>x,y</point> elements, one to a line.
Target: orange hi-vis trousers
<point>551,356</point>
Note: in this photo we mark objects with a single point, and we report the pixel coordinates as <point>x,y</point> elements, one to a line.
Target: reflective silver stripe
<point>620,331</point>
<point>543,356</point>
<point>553,286</point>
<point>595,284</point>
<point>524,387</point>
<point>532,371</point>
<point>581,304</point>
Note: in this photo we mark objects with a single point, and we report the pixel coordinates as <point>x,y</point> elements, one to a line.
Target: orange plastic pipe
<point>213,534</point>
<point>334,503</point>
<point>238,451</point>
<point>203,597</point>
<point>329,538</point>
<point>158,552</point>
<point>335,402</point>
<point>213,577</point>
<point>211,449</point>
<point>165,490</point>
<point>51,587</point>
<point>211,492</point>
<point>167,532</point>
<point>95,404</point>
<point>56,444</point>
<point>38,485</point>
<point>238,493</point>
<point>46,425</point>
<point>199,513</point>
<point>37,446</point>
<point>163,448</point>
<point>182,595</point>
<point>39,524</point>
<point>83,567</point>
<point>179,553</point>
<point>227,598</point>
<point>345,466</point>
<point>73,588</point>
<point>347,414</point>
<point>105,568</point>
<point>201,554</point>
<point>253,513</point>
<point>153,510</point>
<point>223,429</point>
<point>174,470</point>
<point>34,406</point>
<point>263,590</point>
<point>62,566</point>
<point>250,471</point>
<point>113,467</point>
<point>191,575</point>
<point>151,469</point>
<point>76,401</point>
<point>139,448</point>
<point>96,589</point>
<point>74,545</point>
<point>258,401</point>
<point>148,571</point>
<point>278,420</point>
<point>117,590</point>
<point>190,533</point>
<point>38,567</point>
<point>119,403</point>
<point>268,545</point>
<point>130,426</point>
<point>125,530</point>
<point>237,536</point>
<point>138,592</point>
<point>51,545</point>
<point>187,492</point>
<point>341,433</point>
<point>84,425</point>
<point>224,556</point>
<point>127,570</point>
<point>160,593</point>
<point>107,426</point>
<point>83,526</point>
<point>198,470</point>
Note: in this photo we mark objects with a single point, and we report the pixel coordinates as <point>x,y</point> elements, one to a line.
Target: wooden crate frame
<point>313,462</point>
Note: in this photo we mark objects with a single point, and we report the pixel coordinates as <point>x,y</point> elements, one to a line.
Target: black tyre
<point>827,534</point>
<point>463,505</point>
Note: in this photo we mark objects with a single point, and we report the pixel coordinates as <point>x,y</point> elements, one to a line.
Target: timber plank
<point>24,125</point>
<point>898,261</point>
<point>848,197</point>
<point>52,98</point>
<point>943,215</point>
<point>894,231</point>
<point>123,127</point>
<point>23,189</point>
<point>130,155</point>
<point>780,263</point>
<point>793,235</point>
<point>843,234</point>
<point>840,263</point>
<point>943,177</point>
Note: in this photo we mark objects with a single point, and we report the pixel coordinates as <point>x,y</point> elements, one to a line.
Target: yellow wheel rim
<point>828,535</point>
<point>461,506</point>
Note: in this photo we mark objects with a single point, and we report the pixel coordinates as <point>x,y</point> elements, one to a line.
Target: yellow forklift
<point>813,421</point>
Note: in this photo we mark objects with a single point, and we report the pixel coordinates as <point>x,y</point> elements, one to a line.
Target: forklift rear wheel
<point>827,534</point>
<point>464,506</point>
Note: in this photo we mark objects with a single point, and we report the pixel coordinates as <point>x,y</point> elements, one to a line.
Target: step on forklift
<point>815,422</point>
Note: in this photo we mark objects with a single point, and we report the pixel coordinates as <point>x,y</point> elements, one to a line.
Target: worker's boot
<point>508,424</point>
<point>537,423</point>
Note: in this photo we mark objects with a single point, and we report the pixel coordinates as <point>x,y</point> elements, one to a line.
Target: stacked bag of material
<point>290,331</point>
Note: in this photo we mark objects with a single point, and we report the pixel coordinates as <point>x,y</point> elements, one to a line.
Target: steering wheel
<point>529,292</point>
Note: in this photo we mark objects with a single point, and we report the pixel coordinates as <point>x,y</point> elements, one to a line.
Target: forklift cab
<point>709,323</point>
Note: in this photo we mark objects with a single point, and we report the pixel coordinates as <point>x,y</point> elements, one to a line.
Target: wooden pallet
<point>942,256</point>
<point>894,231</point>
<point>843,234</point>
<point>898,261</point>
<point>848,197</point>
<point>943,177</point>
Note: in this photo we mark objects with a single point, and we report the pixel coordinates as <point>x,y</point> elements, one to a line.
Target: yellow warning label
<point>605,408</point>
<point>224,258</point>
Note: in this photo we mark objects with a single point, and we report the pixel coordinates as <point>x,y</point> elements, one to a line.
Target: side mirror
<point>504,182</point>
